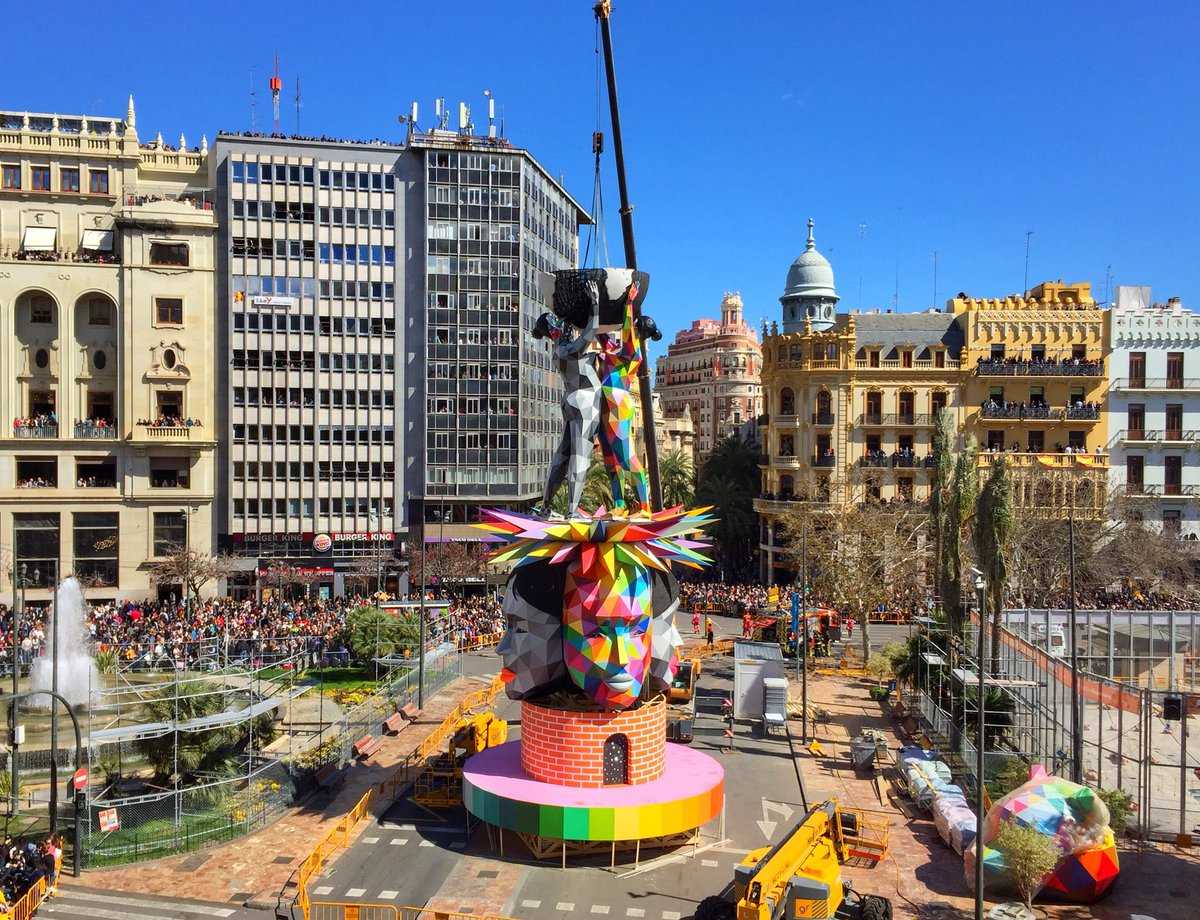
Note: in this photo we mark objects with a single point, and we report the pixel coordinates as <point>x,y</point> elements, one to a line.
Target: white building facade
<point>1154,408</point>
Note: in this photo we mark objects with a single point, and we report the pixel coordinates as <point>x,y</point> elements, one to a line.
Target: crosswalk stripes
<point>388,895</point>
<point>96,905</point>
<point>398,841</point>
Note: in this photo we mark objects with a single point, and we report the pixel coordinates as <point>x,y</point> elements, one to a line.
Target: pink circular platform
<point>690,792</point>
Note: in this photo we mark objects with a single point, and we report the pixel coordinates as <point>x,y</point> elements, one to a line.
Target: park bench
<point>330,776</point>
<point>410,711</point>
<point>366,746</point>
<point>395,723</point>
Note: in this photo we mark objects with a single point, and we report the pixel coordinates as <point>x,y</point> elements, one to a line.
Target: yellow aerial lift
<point>800,876</point>
<point>440,786</point>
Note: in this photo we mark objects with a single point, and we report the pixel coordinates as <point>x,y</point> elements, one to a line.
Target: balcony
<point>822,418</point>
<point>897,460</point>
<point>786,461</point>
<point>1178,436</point>
<point>1067,367</point>
<point>895,420</point>
<point>902,505</point>
<point>1045,461</point>
<point>168,432</point>
<point>994,412</point>
<point>1173,436</point>
<point>1165,384</point>
<point>895,364</point>
<point>784,504</point>
<point>826,460</point>
<point>92,431</point>
<point>1082,414</point>
<point>35,431</point>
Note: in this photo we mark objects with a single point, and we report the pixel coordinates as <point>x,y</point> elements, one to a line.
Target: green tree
<point>963,491</point>
<point>194,752</point>
<point>728,481</point>
<point>939,486</point>
<point>678,478</point>
<point>372,633</point>
<point>993,526</point>
<point>1029,856</point>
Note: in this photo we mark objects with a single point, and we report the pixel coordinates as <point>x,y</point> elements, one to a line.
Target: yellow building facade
<point>1036,386</point>
<point>107,381</point>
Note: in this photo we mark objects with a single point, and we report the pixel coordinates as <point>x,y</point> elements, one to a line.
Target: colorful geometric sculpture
<point>1074,816</point>
<point>612,567</point>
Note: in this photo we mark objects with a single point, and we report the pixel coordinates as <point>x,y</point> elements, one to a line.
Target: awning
<point>97,240</point>
<point>39,239</point>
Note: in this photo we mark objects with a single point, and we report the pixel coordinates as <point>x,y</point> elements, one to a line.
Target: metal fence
<point>1131,739</point>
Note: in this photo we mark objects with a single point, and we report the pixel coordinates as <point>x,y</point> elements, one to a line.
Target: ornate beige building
<point>713,369</point>
<point>107,387</point>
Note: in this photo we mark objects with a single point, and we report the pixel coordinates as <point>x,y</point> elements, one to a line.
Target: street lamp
<point>980,592</point>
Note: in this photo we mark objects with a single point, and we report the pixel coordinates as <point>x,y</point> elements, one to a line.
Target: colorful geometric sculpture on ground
<point>618,598</point>
<point>1075,817</point>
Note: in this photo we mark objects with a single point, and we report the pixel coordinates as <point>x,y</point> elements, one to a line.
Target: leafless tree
<point>447,565</point>
<point>189,568</point>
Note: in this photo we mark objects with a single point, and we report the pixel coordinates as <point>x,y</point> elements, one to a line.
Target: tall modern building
<point>1154,408</point>
<point>712,370</point>
<point>374,309</point>
<point>106,290</point>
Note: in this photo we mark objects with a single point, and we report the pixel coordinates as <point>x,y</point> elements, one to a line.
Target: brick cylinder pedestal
<point>566,748</point>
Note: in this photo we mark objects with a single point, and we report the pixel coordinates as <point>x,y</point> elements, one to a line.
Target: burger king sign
<point>322,543</point>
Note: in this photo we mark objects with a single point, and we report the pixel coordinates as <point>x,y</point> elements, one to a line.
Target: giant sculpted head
<point>532,645</point>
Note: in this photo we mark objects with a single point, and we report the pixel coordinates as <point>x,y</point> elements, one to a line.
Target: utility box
<point>752,663</point>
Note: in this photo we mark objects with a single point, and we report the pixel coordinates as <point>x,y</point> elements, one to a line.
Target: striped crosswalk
<point>105,905</point>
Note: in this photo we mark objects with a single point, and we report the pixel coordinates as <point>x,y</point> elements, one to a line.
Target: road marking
<point>531,905</point>
<point>567,906</point>
<point>426,843</point>
<point>634,912</point>
<point>355,892</point>
<point>671,915</point>
<point>323,890</point>
<point>370,840</point>
<point>388,895</point>
<point>599,908</point>
<point>709,863</point>
<point>398,841</point>
<point>91,898</point>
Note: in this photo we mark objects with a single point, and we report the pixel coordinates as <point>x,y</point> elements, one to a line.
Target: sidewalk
<point>253,870</point>
<point>922,876</point>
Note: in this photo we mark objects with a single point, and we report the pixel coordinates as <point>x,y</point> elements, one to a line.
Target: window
<point>1172,474</point>
<point>41,310</point>
<point>97,543</point>
<point>1134,469</point>
<point>1137,369</point>
<point>170,532</point>
<point>169,358</point>
<point>40,176</point>
<point>98,181</point>
<point>11,176</point>
<point>169,254</point>
<point>68,180</point>
<point>1076,440</point>
<point>99,360</point>
<point>37,548</point>
<point>1172,519</point>
<point>169,474</point>
<point>168,311</point>
<point>1037,442</point>
<point>1175,370</point>
<point>1135,422</point>
<point>41,358</point>
<point>1174,415</point>
<point>99,312</point>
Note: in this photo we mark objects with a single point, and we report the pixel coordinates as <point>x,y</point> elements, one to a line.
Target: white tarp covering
<point>39,239</point>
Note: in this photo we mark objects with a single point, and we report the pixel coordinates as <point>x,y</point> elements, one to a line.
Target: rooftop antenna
<point>464,119</point>
<point>1107,282</point>
<point>487,93</point>
<point>253,100</point>
<point>410,119</point>
<point>935,279</point>
<point>276,84</point>
<point>440,114</point>
<point>1028,237</point>
<point>862,239</point>
<point>297,105</point>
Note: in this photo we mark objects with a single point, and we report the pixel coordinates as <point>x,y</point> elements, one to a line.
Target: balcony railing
<point>895,364</point>
<point>168,431</point>
<point>822,418</point>
<point>1082,413</point>
<point>897,461</point>
<point>1019,459</point>
<point>785,503</point>
<point>895,419</point>
<point>1156,383</point>
<point>1070,367</point>
<point>827,460</point>
<point>85,430</point>
<point>35,431</point>
<point>894,506</point>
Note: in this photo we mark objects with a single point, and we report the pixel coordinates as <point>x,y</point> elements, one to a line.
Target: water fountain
<point>78,678</point>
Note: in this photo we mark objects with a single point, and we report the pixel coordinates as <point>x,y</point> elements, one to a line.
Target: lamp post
<point>1076,736</point>
<point>980,591</point>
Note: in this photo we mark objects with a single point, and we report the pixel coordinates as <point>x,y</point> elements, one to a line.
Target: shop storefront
<point>321,565</point>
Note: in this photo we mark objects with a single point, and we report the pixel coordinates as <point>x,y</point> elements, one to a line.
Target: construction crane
<point>801,875</point>
<point>276,84</point>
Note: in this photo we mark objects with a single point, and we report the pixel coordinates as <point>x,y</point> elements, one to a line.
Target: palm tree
<point>596,490</point>
<point>963,491</point>
<point>939,488</point>
<point>993,525</point>
<point>678,478</point>
<point>728,481</point>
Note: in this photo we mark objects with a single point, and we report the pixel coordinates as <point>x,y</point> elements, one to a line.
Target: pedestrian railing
<point>336,840</point>
<point>354,910</point>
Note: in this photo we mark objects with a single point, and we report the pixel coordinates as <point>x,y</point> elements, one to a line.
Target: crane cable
<point>596,230</point>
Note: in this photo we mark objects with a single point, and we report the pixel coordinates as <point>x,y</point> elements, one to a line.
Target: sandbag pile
<point>930,786</point>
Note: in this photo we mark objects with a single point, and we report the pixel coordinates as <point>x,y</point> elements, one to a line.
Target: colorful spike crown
<point>608,619</point>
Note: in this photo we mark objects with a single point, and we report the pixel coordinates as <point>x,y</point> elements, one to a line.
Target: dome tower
<point>810,292</point>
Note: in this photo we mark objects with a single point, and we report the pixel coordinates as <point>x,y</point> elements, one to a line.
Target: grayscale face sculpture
<point>532,646</point>
<point>665,640</point>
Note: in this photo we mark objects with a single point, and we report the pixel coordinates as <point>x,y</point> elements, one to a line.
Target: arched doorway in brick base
<point>616,760</point>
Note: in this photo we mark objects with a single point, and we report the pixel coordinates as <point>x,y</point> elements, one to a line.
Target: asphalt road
<point>406,857</point>
<point>76,903</point>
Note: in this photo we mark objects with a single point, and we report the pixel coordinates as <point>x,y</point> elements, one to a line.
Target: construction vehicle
<point>440,785</point>
<point>800,876</point>
<point>681,702</point>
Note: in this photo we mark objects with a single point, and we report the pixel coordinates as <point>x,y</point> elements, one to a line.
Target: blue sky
<point>942,126</point>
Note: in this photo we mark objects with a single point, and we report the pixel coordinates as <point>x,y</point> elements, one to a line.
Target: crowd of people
<point>89,425</point>
<point>40,420</point>
<point>1035,367</point>
<point>170,421</point>
<point>23,864</point>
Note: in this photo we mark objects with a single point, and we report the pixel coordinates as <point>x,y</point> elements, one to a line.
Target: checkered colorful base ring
<point>689,794</point>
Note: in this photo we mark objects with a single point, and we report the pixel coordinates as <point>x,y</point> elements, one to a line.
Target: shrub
<point>879,667</point>
<point>1029,856</point>
<point>106,661</point>
<point>1120,805</point>
<point>1014,773</point>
